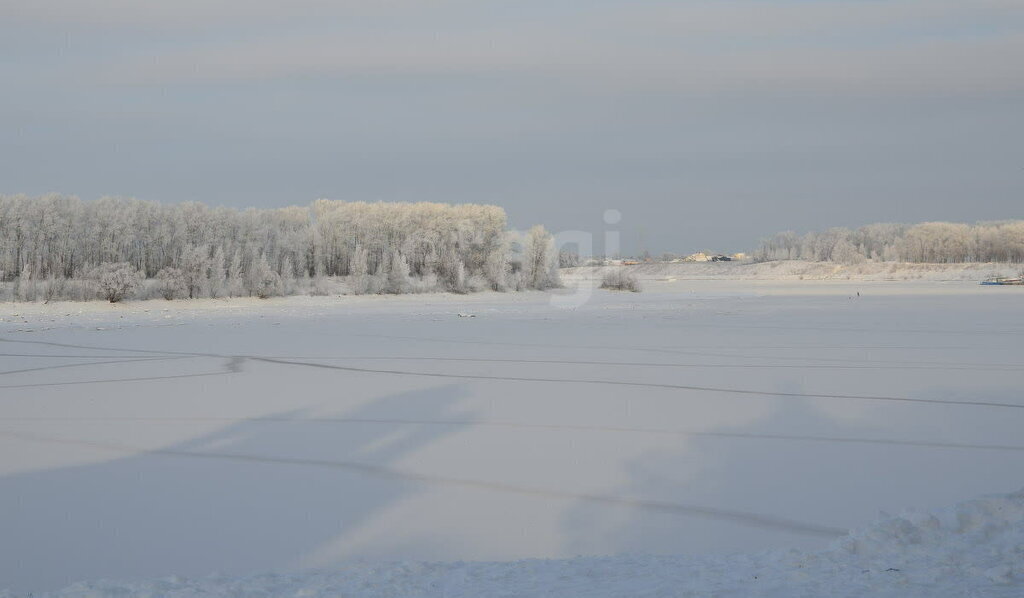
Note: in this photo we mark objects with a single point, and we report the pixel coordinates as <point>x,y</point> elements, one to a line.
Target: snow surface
<point>974,549</point>
<point>701,418</point>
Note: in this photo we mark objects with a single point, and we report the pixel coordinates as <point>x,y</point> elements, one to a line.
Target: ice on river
<point>238,436</point>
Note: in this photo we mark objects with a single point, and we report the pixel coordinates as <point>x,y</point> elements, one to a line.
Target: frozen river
<point>153,438</point>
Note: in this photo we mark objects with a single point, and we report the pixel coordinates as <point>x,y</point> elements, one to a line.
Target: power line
<point>736,516</point>
<point>530,426</point>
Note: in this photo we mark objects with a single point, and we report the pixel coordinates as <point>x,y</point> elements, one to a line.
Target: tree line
<point>61,247</point>
<point>929,242</point>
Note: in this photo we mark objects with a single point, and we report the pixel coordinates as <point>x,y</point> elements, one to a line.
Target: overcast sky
<point>708,124</point>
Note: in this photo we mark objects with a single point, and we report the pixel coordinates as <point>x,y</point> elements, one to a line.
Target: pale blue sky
<point>708,124</point>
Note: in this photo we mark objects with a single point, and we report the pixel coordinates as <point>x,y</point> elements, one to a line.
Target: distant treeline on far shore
<point>929,242</point>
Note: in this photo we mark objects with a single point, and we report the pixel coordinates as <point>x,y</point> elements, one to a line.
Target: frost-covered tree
<point>378,282</point>
<point>56,238</point>
<point>568,257</point>
<point>264,281</point>
<point>931,242</point>
<point>118,281</point>
<point>620,279</point>
<point>27,288</point>
<point>359,271</point>
<point>497,269</point>
<point>218,273</point>
<point>398,275</point>
<point>236,276</point>
<point>195,264</point>
<point>844,252</point>
<point>287,275</point>
<point>540,260</point>
<point>170,283</point>
<point>452,273</point>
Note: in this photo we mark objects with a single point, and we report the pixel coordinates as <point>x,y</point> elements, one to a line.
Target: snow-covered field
<point>701,417</point>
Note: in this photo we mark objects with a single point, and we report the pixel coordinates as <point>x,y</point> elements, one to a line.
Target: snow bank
<point>973,549</point>
<point>977,544</point>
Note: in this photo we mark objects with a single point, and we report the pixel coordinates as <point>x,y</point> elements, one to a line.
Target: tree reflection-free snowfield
<point>187,438</point>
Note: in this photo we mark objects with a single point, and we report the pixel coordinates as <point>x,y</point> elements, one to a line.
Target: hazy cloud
<point>556,109</point>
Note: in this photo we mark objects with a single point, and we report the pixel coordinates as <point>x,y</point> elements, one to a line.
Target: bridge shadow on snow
<point>191,509</point>
<point>812,467</point>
